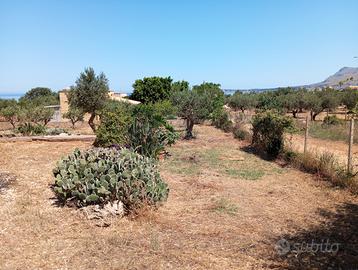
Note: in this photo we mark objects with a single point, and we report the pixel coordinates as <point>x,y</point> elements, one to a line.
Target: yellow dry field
<point>226,209</point>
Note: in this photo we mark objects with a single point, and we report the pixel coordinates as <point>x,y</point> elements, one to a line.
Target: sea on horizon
<point>10,96</point>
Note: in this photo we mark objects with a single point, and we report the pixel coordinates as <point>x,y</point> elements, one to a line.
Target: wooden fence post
<point>306,137</point>
<point>350,147</point>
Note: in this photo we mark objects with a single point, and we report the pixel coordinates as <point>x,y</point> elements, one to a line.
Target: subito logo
<point>282,247</point>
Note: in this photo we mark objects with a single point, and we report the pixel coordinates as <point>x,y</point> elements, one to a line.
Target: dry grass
<point>216,217</point>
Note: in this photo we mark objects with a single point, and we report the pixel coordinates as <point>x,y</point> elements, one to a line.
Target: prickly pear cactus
<point>101,175</point>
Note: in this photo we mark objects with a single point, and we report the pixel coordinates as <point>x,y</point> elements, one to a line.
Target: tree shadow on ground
<point>331,245</point>
<point>252,150</point>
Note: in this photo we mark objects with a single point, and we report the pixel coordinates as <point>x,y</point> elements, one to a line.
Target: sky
<point>239,44</point>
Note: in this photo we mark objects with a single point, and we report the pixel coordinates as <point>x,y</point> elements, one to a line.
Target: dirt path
<point>226,210</point>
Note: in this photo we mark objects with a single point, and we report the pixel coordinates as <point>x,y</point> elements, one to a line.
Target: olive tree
<point>215,96</point>
<point>11,114</point>
<point>349,98</point>
<point>242,101</point>
<point>193,107</point>
<point>89,94</point>
<point>74,115</point>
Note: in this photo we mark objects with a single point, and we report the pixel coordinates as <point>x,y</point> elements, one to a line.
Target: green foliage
<point>152,89</point>
<point>180,86</point>
<point>240,133</point>
<point>55,131</point>
<point>268,131</point>
<point>100,175</point>
<point>349,98</point>
<point>40,114</point>
<point>331,120</point>
<point>165,109</point>
<point>37,92</point>
<point>26,111</point>
<point>89,94</point>
<point>40,96</point>
<point>115,122</point>
<point>149,133</point>
<point>240,101</point>
<point>7,103</point>
<point>214,95</point>
<point>193,107</point>
<point>29,129</point>
<point>293,101</point>
<point>11,114</point>
<point>319,100</point>
<point>221,120</point>
<point>74,115</point>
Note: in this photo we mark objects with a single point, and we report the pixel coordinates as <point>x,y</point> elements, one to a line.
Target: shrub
<point>331,120</point>
<point>221,120</point>
<point>29,129</point>
<point>240,133</point>
<point>165,109</point>
<point>55,131</point>
<point>149,133</point>
<point>115,121</point>
<point>102,175</point>
<point>268,131</point>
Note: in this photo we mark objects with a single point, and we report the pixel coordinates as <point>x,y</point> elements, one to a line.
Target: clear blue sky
<point>239,44</point>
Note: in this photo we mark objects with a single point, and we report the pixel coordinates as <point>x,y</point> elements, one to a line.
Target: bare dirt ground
<point>227,209</point>
<point>339,149</point>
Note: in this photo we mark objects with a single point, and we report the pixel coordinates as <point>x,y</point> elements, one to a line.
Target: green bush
<point>331,120</point>
<point>115,121</point>
<point>29,129</point>
<point>221,120</point>
<point>268,131</point>
<point>165,109</point>
<point>102,175</point>
<point>149,133</point>
<point>240,133</point>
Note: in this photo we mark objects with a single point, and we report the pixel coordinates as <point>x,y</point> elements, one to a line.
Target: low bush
<point>141,128</point>
<point>55,131</point>
<point>268,131</point>
<point>149,133</point>
<point>221,120</point>
<point>102,175</point>
<point>115,121</point>
<point>29,129</point>
<point>331,120</point>
<point>240,133</point>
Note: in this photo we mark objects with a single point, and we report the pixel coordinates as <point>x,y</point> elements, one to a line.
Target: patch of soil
<point>6,180</point>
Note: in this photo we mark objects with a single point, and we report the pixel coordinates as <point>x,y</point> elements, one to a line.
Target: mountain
<point>345,77</point>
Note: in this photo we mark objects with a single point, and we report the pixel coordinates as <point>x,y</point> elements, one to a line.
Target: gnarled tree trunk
<point>91,122</point>
<point>189,129</point>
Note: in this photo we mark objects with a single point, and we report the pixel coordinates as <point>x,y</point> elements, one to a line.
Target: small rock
<point>108,210</point>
